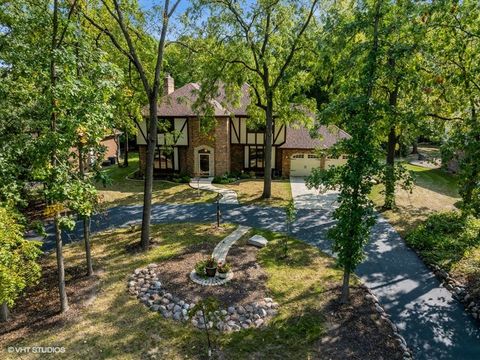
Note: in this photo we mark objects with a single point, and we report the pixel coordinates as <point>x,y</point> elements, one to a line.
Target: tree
<point>290,215</point>
<point>18,265</point>
<point>354,102</point>
<point>42,53</point>
<point>126,16</point>
<point>454,89</point>
<point>264,44</point>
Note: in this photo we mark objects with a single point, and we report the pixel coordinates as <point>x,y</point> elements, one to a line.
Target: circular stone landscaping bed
<point>168,289</point>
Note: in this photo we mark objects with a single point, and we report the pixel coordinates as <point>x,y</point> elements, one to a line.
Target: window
<point>312,156</point>
<point>163,160</point>
<point>256,157</point>
<point>297,156</point>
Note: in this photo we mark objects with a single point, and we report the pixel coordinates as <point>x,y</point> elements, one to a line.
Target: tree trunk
<point>4,313</point>
<point>86,219</point>
<point>125,152</point>
<point>147,196</point>
<point>415,147</point>
<point>53,84</point>
<point>267,180</point>
<point>389,201</point>
<point>86,237</point>
<point>60,267</point>
<point>345,287</point>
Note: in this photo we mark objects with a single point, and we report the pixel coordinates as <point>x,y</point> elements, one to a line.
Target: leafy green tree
<point>454,88</point>
<point>261,43</point>
<point>122,23</point>
<point>18,260</point>
<point>354,103</point>
<point>290,216</point>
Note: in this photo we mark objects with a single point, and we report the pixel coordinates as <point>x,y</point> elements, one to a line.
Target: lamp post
<point>219,196</point>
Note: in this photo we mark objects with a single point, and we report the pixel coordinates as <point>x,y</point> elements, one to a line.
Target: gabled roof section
<point>180,102</point>
<point>299,138</point>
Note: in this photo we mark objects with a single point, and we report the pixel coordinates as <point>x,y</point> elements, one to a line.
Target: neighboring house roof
<point>180,102</point>
<point>299,138</point>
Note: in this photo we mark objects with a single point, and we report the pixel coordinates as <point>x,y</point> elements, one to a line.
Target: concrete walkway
<point>434,325</point>
<point>228,196</point>
<point>305,198</point>
<point>221,250</point>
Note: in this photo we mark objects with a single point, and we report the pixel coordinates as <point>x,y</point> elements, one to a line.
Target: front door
<point>204,162</point>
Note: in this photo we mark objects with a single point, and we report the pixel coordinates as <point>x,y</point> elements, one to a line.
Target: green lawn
<point>116,325</point>
<point>250,192</point>
<point>125,191</point>
<point>434,190</point>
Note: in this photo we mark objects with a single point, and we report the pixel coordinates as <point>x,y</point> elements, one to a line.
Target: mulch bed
<point>355,331</point>
<point>39,307</point>
<point>247,285</point>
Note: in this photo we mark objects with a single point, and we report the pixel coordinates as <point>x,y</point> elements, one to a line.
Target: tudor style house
<point>232,146</point>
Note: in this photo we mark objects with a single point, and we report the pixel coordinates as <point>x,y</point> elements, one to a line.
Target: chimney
<point>168,85</point>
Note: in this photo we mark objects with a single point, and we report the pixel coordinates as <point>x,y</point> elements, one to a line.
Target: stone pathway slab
<point>221,250</point>
<point>228,196</point>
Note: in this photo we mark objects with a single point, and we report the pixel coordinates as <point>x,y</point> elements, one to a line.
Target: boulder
<point>258,241</point>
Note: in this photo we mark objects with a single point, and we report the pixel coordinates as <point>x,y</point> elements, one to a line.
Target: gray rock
<point>155,307</point>
<point>231,310</point>
<point>223,312</point>
<point>262,312</point>
<point>259,322</point>
<point>240,310</point>
<point>157,284</point>
<point>177,308</point>
<point>186,306</point>
<point>268,300</point>
<point>170,306</point>
<point>249,308</point>
<point>165,301</point>
<point>181,303</point>
<point>177,316</point>
<point>245,325</point>
<point>258,241</point>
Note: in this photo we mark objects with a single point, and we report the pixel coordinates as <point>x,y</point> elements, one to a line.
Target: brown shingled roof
<point>180,102</point>
<point>299,138</point>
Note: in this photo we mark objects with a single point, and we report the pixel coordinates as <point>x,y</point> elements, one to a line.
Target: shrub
<point>223,268</point>
<point>200,268</point>
<point>444,238</point>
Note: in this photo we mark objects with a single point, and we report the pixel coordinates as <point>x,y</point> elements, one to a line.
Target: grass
<point>434,190</point>
<point>116,326</point>
<point>123,191</point>
<point>451,241</point>
<point>250,192</point>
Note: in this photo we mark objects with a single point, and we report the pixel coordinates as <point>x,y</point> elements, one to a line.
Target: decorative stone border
<point>458,290</point>
<point>210,281</point>
<point>407,353</point>
<point>145,284</point>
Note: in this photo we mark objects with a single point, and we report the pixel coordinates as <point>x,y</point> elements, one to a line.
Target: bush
<point>225,179</point>
<point>444,238</point>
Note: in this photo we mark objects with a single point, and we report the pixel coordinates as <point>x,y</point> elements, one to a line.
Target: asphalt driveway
<point>434,324</point>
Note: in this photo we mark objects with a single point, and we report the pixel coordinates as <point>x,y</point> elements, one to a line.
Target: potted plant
<point>222,270</point>
<point>200,268</point>
<point>211,267</point>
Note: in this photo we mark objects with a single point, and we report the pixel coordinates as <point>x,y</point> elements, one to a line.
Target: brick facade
<point>237,157</point>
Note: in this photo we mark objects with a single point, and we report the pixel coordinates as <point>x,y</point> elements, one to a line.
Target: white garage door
<point>329,162</point>
<point>302,164</point>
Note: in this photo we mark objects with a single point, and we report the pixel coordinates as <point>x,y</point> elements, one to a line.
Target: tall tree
<point>454,89</point>
<point>354,103</point>
<point>126,16</point>
<point>262,43</point>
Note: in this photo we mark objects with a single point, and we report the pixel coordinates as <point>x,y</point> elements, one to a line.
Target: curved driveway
<point>432,322</point>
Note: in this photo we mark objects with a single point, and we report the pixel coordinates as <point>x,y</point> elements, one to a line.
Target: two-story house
<point>232,146</point>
